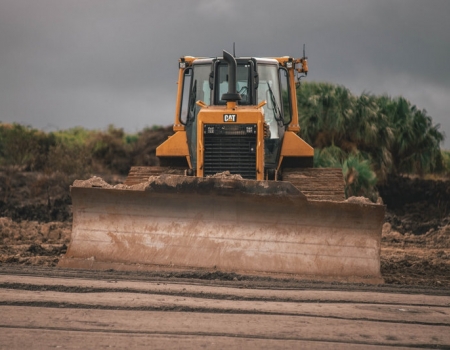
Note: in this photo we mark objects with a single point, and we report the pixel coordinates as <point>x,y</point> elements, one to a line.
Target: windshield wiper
<point>277,110</point>
<point>191,112</point>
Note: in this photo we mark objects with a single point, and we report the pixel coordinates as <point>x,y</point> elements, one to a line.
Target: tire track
<point>107,307</point>
<point>233,336</point>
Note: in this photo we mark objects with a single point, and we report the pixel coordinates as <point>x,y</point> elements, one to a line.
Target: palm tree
<point>326,111</point>
<point>391,134</point>
<point>372,133</point>
<point>416,146</point>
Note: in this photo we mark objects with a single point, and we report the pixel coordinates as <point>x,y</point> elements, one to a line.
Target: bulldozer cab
<point>256,80</point>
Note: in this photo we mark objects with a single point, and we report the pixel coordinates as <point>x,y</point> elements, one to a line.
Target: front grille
<point>230,147</point>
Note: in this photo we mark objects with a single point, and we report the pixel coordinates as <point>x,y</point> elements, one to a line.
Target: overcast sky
<point>91,63</point>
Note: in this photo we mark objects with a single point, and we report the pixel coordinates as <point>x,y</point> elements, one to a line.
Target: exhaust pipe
<point>231,95</point>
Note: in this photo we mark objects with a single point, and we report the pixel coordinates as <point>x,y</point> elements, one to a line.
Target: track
<point>48,307</point>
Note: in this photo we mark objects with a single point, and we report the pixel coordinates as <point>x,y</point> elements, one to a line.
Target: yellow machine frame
<point>293,145</point>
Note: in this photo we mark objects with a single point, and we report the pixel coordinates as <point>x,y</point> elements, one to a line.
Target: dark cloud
<point>95,62</point>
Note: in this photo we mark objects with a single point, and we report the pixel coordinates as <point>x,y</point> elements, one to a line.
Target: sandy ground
<point>54,308</point>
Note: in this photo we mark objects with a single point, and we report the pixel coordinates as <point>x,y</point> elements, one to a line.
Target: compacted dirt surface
<point>57,308</point>
<point>42,306</point>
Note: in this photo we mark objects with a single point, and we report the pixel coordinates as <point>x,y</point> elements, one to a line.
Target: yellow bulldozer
<point>235,190</point>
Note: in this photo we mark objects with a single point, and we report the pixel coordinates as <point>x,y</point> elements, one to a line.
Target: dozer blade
<point>242,226</point>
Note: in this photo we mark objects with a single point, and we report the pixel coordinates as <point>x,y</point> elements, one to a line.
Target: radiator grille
<point>230,147</point>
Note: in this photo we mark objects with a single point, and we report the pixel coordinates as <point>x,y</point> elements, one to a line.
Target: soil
<point>35,226</point>
<point>46,308</point>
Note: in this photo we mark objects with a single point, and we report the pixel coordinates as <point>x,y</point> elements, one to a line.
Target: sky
<point>91,63</point>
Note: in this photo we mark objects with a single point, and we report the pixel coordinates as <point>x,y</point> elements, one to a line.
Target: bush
<point>24,147</point>
<point>329,157</point>
<point>144,149</point>
<point>360,179</point>
<point>79,151</point>
<point>74,136</point>
<point>110,152</point>
<point>69,159</point>
<point>446,162</point>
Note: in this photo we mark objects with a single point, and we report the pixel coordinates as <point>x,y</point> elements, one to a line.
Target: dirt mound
<point>359,200</point>
<point>416,235</point>
<point>416,205</point>
<point>433,239</point>
<point>416,259</point>
<point>32,242</point>
<point>226,175</point>
<point>94,181</point>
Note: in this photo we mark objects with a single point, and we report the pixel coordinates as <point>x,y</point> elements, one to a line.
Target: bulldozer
<point>235,190</point>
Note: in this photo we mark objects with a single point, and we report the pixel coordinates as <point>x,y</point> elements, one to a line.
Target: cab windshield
<point>243,74</point>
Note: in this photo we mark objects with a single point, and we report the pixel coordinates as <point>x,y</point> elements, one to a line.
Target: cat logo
<point>230,118</point>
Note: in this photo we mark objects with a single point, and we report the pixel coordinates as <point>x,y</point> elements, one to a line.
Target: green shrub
<point>73,136</point>
<point>446,162</point>
<point>24,147</point>
<point>329,157</point>
<point>69,159</point>
<point>144,149</point>
<point>110,152</point>
<point>359,178</point>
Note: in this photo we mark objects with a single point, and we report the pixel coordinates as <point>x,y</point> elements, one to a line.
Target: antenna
<point>234,49</point>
